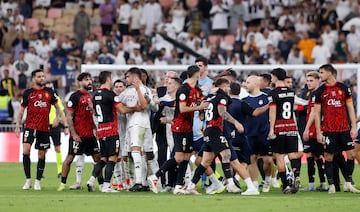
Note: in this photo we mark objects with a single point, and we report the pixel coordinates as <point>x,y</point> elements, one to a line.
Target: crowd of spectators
<point>228,32</point>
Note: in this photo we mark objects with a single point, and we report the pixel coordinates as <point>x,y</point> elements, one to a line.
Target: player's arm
<point>351,112</point>
<point>69,117</point>
<point>124,109</point>
<point>18,121</point>
<point>144,102</point>
<point>227,117</point>
<point>309,123</point>
<point>61,113</point>
<point>317,115</point>
<point>185,109</point>
<point>272,118</point>
<point>260,110</point>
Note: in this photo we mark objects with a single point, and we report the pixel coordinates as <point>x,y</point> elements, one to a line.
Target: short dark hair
<point>235,88</point>
<point>227,72</point>
<point>119,81</point>
<point>203,60</point>
<point>279,73</point>
<point>221,81</point>
<point>103,76</point>
<point>329,68</point>
<point>266,77</point>
<point>177,80</point>
<point>184,75</point>
<point>134,70</point>
<point>33,73</point>
<point>143,71</point>
<point>83,75</point>
<point>191,70</point>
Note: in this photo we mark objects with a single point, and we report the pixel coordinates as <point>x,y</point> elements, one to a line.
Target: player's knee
<point>150,155</point>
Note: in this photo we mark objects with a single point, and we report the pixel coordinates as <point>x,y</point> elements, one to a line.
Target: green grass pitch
<point>13,198</point>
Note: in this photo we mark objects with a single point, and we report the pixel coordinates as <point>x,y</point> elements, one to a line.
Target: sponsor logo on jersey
<point>40,104</point>
<point>334,102</point>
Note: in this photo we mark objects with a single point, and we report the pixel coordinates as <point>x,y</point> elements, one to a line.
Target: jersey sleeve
<point>25,100</point>
<point>316,99</point>
<point>182,94</point>
<point>114,98</point>
<point>72,103</point>
<point>271,98</point>
<point>54,97</point>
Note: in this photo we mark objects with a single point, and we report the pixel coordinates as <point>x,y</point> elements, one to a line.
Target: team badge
<point>261,102</point>
<point>333,93</point>
<point>182,97</point>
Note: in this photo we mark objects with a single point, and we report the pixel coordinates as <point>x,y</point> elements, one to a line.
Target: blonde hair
<point>314,74</point>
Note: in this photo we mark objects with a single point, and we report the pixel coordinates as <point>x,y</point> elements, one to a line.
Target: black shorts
<point>109,146</point>
<point>42,138</point>
<point>240,149</point>
<point>259,145</point>
<point>55,134</point>
<point>214,140</point>
<point>183,142</point>
<point>284,144</point>
<point>314,147</point>
<point>87,146</point>
<point>337,142</point>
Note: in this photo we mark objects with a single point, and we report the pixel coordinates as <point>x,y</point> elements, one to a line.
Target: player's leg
<point>27,140</point>
<point>55,134</point>
<point>136,138</point>
<point>42,145</point>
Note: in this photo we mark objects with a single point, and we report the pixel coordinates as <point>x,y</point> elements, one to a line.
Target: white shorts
<point>140,136</point>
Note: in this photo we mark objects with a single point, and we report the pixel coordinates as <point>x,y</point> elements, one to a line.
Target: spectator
<point>306,46</point>
<point>320,53</point>
<point>33,60</point>
<point>25,9</point>
<point>11,69</point>
<point>219,11</point>
<point>8,83</point>
<point>151,16</point>
<point>329,16</point>
<point>352,40</point>
<point>20,44</point>
<point>329,38</point>
<point>43,48</point>
<point>43,32</point>
<point>105,57</point>
<point>301,25</point>
<point>91,45</point>
<point>81,25</point>
<point>8,39</point>
<point>341,49</point>
<point>6,110</point>
<point>236,13</point>
<point>284,45</point>
<point>135,19</point>
<point>107,16</point>
<point>72,71</point>
<point>178,15</point>
<point>22,67</point>
<point>123,13</point>
<point>10,4</point>
<point>353,14</point>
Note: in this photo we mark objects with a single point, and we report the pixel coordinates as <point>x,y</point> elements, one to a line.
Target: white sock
<point>137,166</point>
<point>237,177</point>
<point>256,184</point>
<point>153,166</point>
<point>92,180</point>
<point>213,178</point>
<point>267,179</point>
<point>249,184</point>
<point>126,174</point>
<point>143,171</point>
<point>80,162</point>
<point>117,173</point>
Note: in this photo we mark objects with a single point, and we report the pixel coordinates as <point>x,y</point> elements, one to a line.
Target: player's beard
<point>40,84</point>
<point>88,87</point>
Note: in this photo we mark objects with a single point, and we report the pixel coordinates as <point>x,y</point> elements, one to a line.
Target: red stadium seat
<point>54,13</point>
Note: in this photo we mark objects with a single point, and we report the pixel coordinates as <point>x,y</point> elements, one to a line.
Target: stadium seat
<point>32,24</point>
<point>69,12</point>
<point>39,13</point>
<point>54,13</point>
<point>48,22</point>
<point>65,21</point>
<point>89,11</point>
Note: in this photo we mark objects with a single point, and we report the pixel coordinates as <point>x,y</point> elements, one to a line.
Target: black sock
<point>63,179</point>
<point>40,168</point>
<point>98,167</point>
<point>321,171</point>
<point>342,165</point>
<point>171,176</point>
<point>213,166</point>
<point>226,170</point>
<point>181,172</point>
<point>329,170</point>
<point>350,169</point>
<point>168,165</point>
<point>282,176</point>
<point>101,180</point>
<point>27,164</point>
<point>198,172</point>
<point>295,165</point>
<point>311,169</point>
<point>109,171</point>
<point>260,164</point>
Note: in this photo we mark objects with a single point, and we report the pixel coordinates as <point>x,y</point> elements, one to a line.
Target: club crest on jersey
<point>182,97</point>
<point>333,93</point>
<point>69,104</point>
<point>46,95</point>
<point>261,102</point>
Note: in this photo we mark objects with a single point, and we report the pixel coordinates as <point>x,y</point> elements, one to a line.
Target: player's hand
<point>239,127</point>
<point>136,84</point>
<point>138,108</point>
<point>320,138</point>
<point>271,134</point>
<point>353,134</point>
<point>203,105</point>
<point>17,132</point>
<point>163,120</point>
<point>55,123</point>
<point>76,138</point>
<point>306,135</point>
